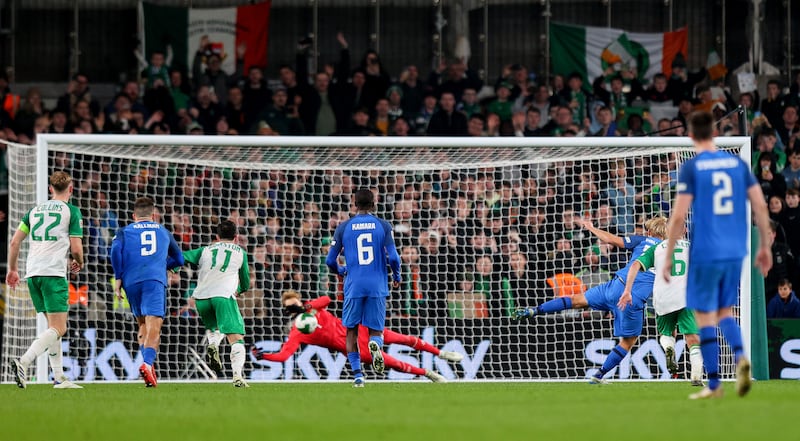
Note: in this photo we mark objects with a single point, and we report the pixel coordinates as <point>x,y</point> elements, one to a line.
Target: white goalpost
<point>483,225</point>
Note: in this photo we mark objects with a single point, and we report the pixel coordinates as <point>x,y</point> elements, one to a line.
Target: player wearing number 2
<point>367,244</point>
<point>141,254</point>
<point>56,229</point>
<point>716,185</point>
<point>669,300</point>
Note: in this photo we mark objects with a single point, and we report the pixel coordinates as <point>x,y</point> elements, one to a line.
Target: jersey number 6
<point>365,252</point>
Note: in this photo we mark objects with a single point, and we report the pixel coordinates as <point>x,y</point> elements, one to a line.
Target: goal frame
<point>45,142</point>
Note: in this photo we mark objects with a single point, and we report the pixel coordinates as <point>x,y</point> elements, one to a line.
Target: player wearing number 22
<point>55,229</point>
<point>141,254</point>
<point>367,244</point>
<point>716,185</point>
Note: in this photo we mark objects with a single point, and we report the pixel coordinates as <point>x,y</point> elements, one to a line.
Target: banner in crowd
<point>227,29</point>
<point>589,50</point>
<point>783,337</point>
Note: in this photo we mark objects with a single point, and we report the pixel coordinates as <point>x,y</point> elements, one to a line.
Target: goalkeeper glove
<point>258,353</point>
<point>521,313</point>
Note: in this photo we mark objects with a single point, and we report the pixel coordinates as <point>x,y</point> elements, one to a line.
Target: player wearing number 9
<point>367,244</point>
<point>716,186</point>
<point>141,254</point>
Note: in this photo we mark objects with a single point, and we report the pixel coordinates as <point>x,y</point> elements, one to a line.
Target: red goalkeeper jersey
<point>330,333</point>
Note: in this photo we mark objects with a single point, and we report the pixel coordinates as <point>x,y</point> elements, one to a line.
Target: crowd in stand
<point>474,243</point>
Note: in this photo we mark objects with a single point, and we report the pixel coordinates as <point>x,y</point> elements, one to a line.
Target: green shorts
<point>683,319</point>
<point>221,313</point>
<point>49,293</point>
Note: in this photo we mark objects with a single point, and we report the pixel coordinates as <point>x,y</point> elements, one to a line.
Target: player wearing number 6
<point>716,185</point>
<point>56,229</point>
<point>367,244</point>
<point>141,254</point>
<point>669,300</point>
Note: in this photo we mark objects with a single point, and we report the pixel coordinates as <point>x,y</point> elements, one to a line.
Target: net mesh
<point>480,231</point>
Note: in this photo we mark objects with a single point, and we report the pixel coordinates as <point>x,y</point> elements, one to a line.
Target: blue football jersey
<point>718,182</point>
<point>367,244</point>
<point>639,244</point>
<point>144,251</point>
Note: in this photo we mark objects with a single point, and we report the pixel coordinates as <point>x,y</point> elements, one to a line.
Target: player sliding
<point>367,244</point>
<point>56,230</point>
<point>716,185</point>
<point>331,334</point>
<point>141,254</point>
<point>222,273</point>
<point>628,322</point>
<point>669,300</point>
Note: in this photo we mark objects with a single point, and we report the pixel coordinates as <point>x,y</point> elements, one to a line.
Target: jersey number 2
<point>365,252</point>
<point>148,239</point>
<point>723,190</point>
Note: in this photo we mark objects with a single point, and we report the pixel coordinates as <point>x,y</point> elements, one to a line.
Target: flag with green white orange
<point>589,50</point>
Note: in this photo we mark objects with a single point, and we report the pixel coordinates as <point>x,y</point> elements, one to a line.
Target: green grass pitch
<point>398,411</point>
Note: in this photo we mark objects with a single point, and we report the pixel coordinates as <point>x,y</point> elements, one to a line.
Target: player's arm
<point>244,274</point>
<point>174,256</point>
<point>76,239</point>
<point>12,278</point>
<point>333,254</point>
<point>193,256</point>
<point>117,262</point>
<point>319,303</point>
<point>605,236</point>
<point>675,229</point>
<point>761,217</point>
<point>392,256</point>
<point>287,349</point>
<point>644,262</point>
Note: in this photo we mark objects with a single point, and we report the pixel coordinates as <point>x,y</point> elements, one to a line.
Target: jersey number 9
<point>148,239</point>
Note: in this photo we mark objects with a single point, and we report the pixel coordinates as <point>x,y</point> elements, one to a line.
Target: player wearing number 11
<point>367,243</point>
<point>141,254</point>
<point>716,185</point>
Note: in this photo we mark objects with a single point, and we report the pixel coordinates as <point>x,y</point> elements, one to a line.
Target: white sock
<point>210,336</point>
<point>42,342</point>
<point>696,360</point>
<point>237,358</point>
<point>218,336</point>
<point>667,341</point>
<point>55,354</point>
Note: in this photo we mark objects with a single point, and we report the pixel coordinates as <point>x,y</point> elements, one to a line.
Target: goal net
<point>482,226</point>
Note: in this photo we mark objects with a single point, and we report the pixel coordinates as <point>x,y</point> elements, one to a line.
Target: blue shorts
<point>713,286</point>
<point>627,323</point>
<point>367,311</point>
<point>147,298</point>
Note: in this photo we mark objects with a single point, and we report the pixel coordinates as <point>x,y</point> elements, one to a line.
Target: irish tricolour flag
<point>590,50</point>
<point>226,28</point>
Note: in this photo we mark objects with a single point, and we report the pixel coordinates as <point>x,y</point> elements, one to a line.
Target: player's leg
<point>153,308</point>
<point>556,305</point>
<point>37,288</point>
<point>208,315</point>
<point>231,324</point>
<point>688,327</point>
<point>702,296</point>
<point>730,328</point>
<point>665,324</point>
<point>627,326</point>
<point>374,319</point>
<point>416,343</point>
<point>351,318</point>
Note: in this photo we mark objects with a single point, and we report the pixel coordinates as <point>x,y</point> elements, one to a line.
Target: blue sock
<point>355,363</point>
<point>612,361</point>
<point>149,355</point>
<point>733,335</point>
<point>555,305</point>
<point>377,339</point>
<point>709,347</point>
